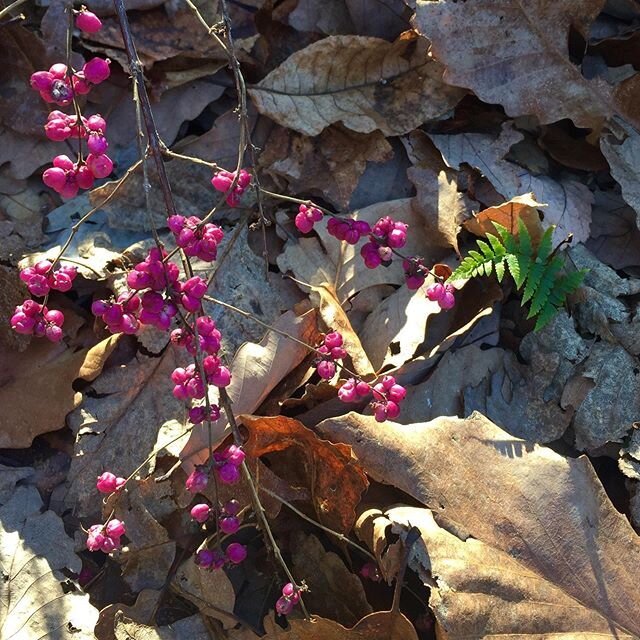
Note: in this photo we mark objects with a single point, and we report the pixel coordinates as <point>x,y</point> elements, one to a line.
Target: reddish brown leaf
<point>331,471</point>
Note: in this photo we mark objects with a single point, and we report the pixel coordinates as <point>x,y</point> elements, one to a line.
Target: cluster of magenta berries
<point>31,318</point>
<point>60,85</point>
<point>387,396</point>
<point>307,216</point>
<point>196,239</point>
<point>289,598</point>
<point>42,278</point>
<point>331,350</point>
<point>213,559</point>
<point>228,520</point>
<point>443,294</point>
<point>106,537</point>
<point>387,234</point>
<point>209,337</point>
<point>223,180</point>
<point>349,231</point>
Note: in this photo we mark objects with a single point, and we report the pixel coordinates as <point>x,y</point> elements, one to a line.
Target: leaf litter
<point>508,488</point>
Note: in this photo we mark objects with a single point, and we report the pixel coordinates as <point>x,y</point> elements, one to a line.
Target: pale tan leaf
<point>538,519</point>
<point>397,327</point>
<point>516,54</point>
<point>35,555</point>
<point>329,165</point>
<point>365,83</point>
<point>211,591</point>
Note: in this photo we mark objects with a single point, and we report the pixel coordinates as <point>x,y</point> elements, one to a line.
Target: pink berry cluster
<point>386,235</point>
<point>31,318</point>
<point>60,85</point>
<point>415,272</point>
<point>443,294</point>
<point>189,385</point>
<point>42,278</point>
<point>331,350</point>
<point>289,598</point>
<point>223,180</point>
<point>109,483</point>
<point>228,520</point>
<point>212,559</point>
<point>349,231</point>
<point>107,537</point>
<point>208,337</point>
<point>307,216</point>
<point>387,395</point>
<point>197,240</point>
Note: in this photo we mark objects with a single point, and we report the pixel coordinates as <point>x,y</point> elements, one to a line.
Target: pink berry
<point>115,528</point>
<point>197,480</point>
<point>97,123</point>
<point>303,223</point>
<point>347,392</point>
<point>396,393</point>
<point>333,339</point>
<point>229,473</point>
<point>106,482</point>
<point>229,524</point>
<point>435,292</point>
<point>447,301</point>
<point>96,70</point>
<point>232,507</point>
<point>284,606</point>
<point>200,513</point>
<point>42,80</point>
<point>84,177</point>
<point>235,455</point>
<point>53,333</point>
<point>100,165</point>
<point>236,552</point>
<point>326,369</point>
<point>95,537</point>
<point>88,22</point>
<point>97,144</point>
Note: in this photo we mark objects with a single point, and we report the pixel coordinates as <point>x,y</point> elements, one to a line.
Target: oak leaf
<point>365,83</point>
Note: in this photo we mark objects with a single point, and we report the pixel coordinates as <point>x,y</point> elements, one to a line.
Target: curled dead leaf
<point>332,473</point>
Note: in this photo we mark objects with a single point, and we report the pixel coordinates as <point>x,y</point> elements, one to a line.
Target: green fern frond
<point>537,270</point>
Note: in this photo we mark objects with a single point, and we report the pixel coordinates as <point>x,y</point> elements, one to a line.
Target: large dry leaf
<point>478,591</point>
<point>615,237</point>
<point>35,553</point>
<point>568,201</point>
<point>545,517</point>
<point>329,165</point>
<point>365,83</point>
<point>256,370</point>
<point>437,198</point>
<point>127,404</point>
<point>380,625</point>
<point>36,391</point>
<point>333,475</point>
<point>516,54</point>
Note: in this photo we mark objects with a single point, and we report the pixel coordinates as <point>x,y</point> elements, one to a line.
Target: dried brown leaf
<point>36,390</point>
<point>523,208</point>
<point>516,54</point>
<point>335,592</point>
<point>365,83</point>
<point>505,500</point>
<point>380,625</point>
<point>332,474</point>
<point>329,165</point>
